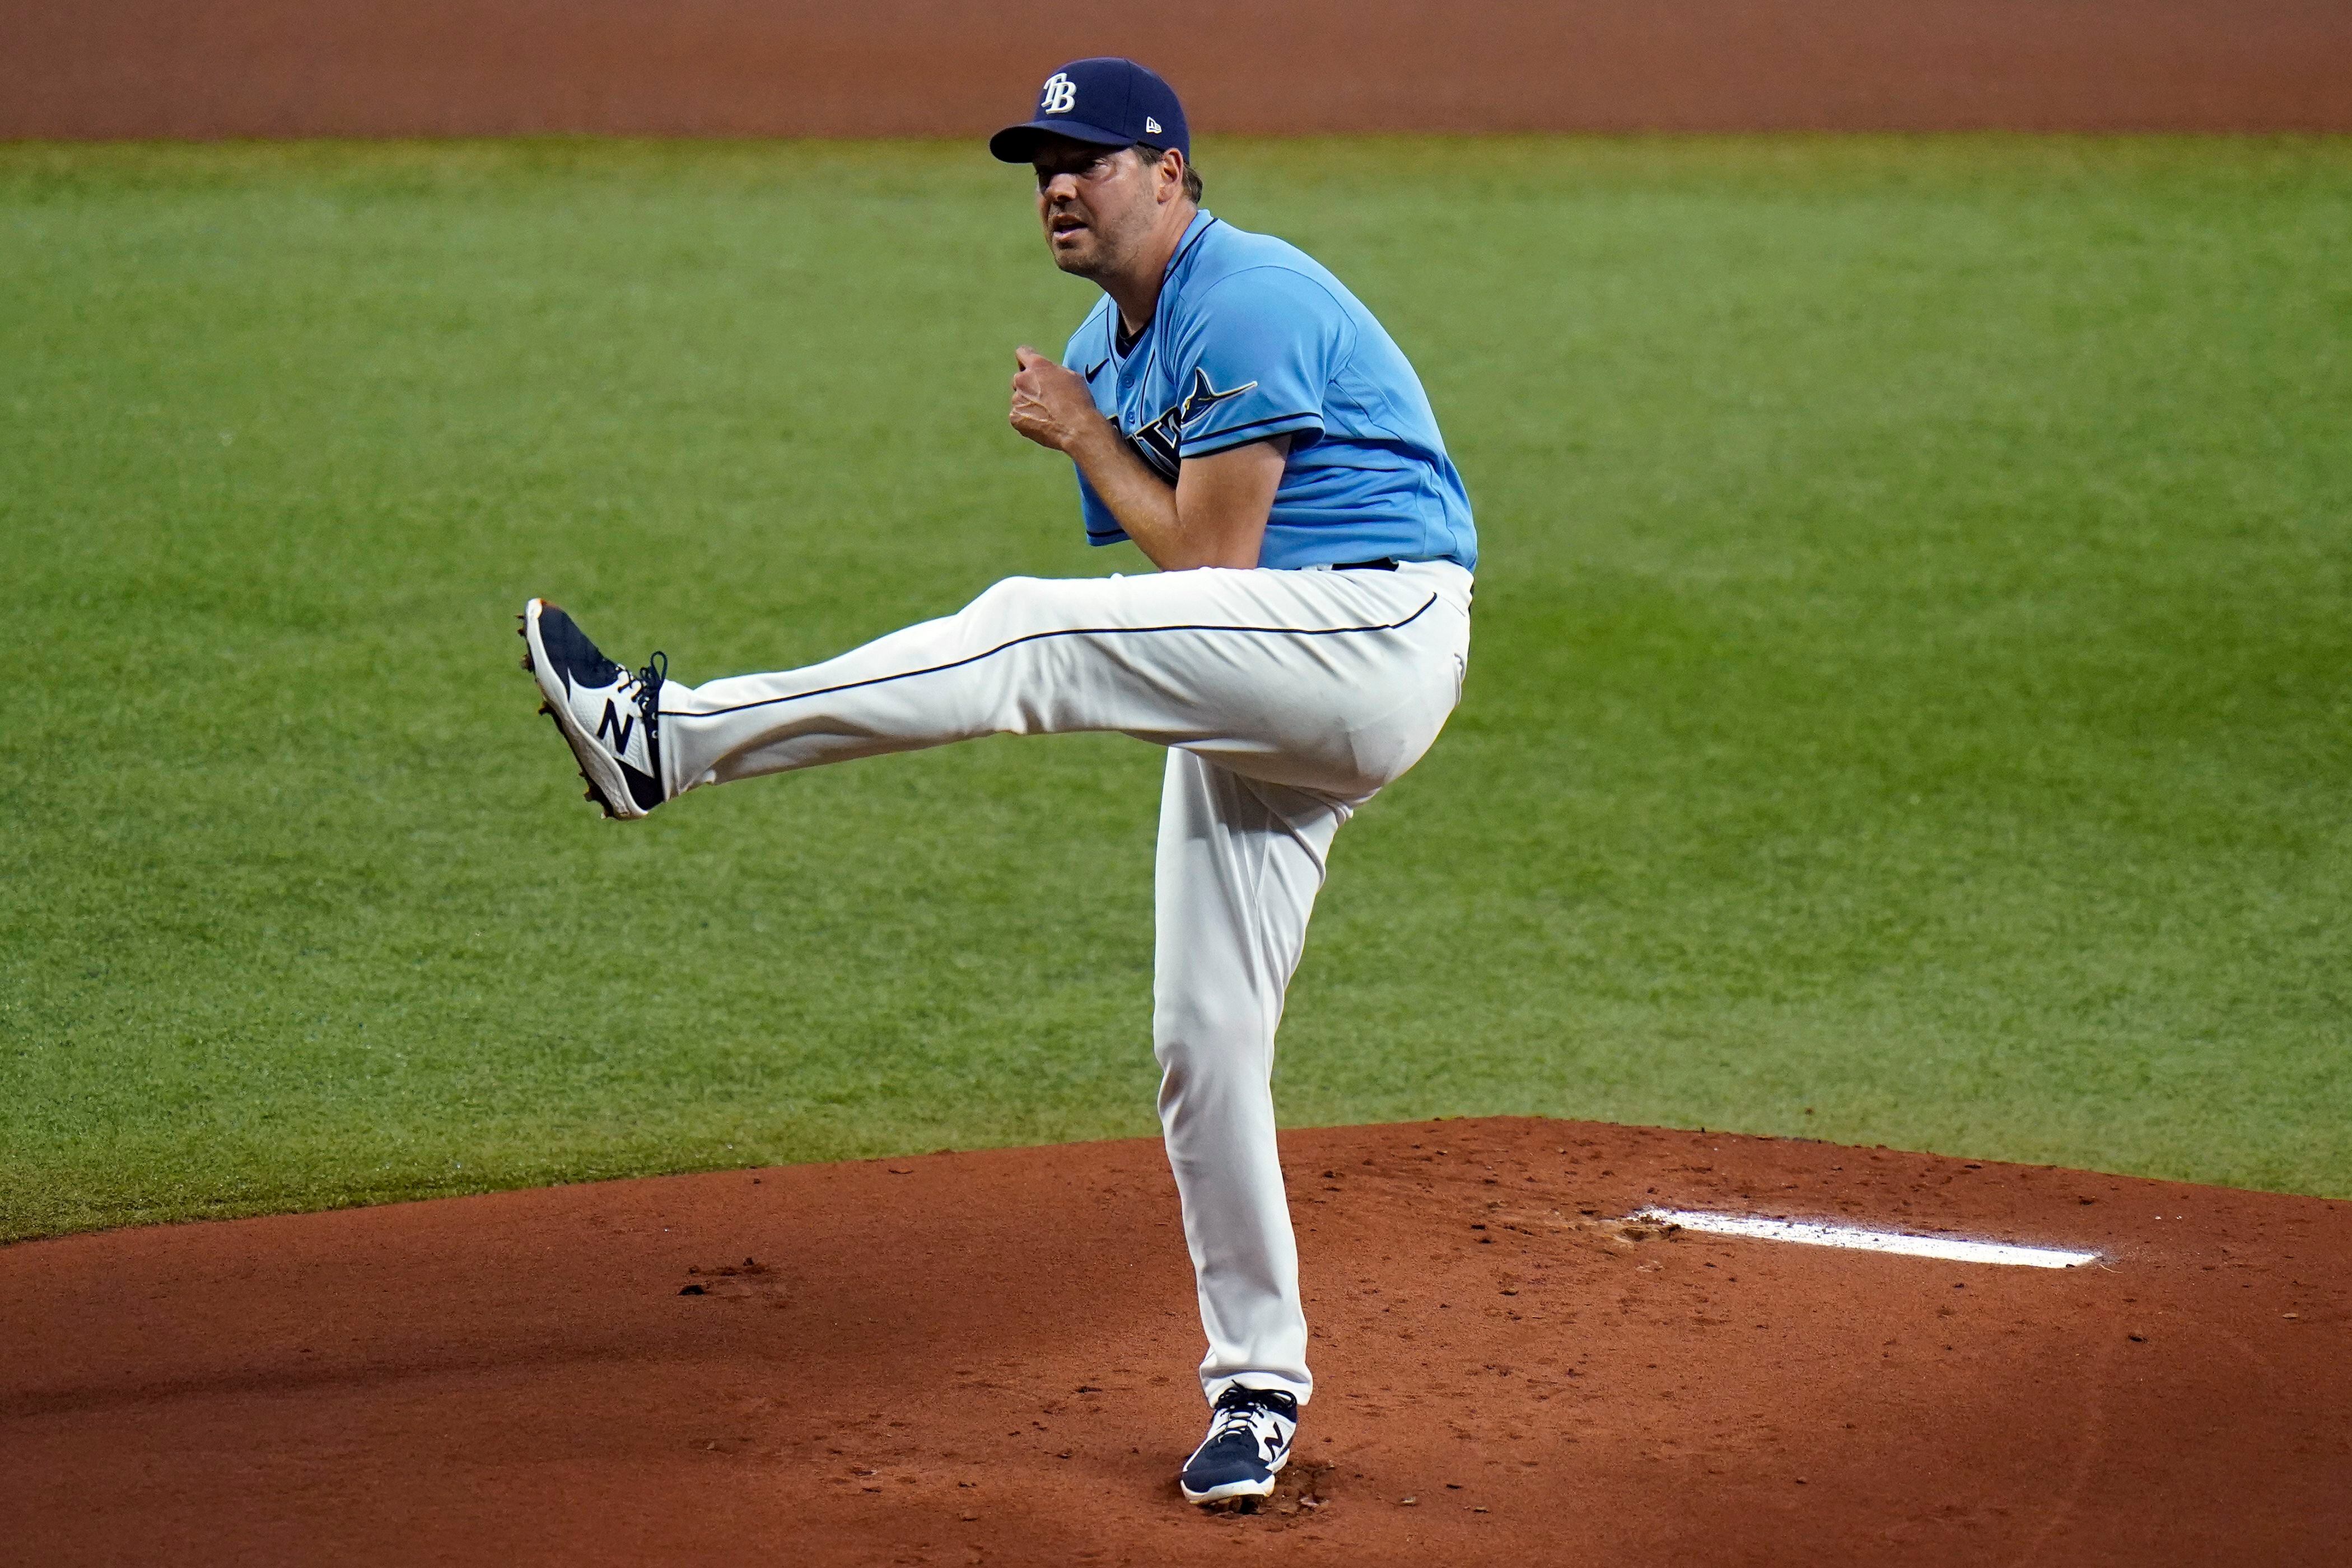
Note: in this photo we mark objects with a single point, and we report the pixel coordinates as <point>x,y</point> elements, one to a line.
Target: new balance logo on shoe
<point>611,724</point>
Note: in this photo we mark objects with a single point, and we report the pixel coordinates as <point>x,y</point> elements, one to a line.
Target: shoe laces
<point>1260,1424</point>
<point>650,680</point>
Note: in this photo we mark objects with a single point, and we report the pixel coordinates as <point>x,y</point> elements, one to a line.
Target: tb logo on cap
<point>1061,94</point>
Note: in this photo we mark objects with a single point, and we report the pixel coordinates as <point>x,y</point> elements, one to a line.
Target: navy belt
<point>1385,563</point>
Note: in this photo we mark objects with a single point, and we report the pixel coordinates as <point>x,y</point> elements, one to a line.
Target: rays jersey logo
<point>1161,443</point>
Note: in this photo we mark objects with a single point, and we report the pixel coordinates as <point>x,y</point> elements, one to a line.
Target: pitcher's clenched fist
<point>1051,404</point>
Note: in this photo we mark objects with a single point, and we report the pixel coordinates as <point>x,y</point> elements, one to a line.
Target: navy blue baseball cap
<point>1109,101</point>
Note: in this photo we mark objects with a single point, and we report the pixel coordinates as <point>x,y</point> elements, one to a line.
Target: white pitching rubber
<point>1811,1233</point>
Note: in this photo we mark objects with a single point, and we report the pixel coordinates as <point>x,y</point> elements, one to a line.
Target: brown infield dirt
<point>987,1358</point>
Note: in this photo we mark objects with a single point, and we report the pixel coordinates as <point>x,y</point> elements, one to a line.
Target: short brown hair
<point>1149,154</point>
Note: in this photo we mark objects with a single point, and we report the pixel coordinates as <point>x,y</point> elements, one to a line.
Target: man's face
<point>1097,204</point>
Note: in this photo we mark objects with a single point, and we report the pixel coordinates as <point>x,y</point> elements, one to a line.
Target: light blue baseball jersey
<point>1251,339</point>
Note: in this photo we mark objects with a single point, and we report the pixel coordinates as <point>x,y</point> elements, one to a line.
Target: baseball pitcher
<point>1238,415</point>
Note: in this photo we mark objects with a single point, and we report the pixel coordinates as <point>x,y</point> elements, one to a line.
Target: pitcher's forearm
<point>1144,504</point>
<point>1214,515</point>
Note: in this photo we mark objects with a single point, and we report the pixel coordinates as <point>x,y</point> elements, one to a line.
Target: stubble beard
<point>1104,259</point>
<point>1088,266</point>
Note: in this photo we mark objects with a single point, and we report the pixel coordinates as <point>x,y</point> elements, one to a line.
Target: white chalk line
<point>1811,1233</point>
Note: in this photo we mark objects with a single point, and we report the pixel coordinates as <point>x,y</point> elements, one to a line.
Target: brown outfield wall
<point>203,69</point>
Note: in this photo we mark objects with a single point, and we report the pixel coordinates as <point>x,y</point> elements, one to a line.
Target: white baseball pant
<point>1288,699</point>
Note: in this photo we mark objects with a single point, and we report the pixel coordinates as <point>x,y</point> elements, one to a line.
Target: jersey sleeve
<point>1086,348</point>
<point>1102,527</point>
<point>1256,359</point>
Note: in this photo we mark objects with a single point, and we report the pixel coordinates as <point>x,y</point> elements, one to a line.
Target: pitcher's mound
<point>986,1358</point>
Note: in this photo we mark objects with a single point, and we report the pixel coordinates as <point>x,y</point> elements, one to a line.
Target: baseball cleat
<point>1249,1440</point>
<point>611,719</point>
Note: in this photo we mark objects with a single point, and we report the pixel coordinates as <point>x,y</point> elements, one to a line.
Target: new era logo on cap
<point>1109,101</point>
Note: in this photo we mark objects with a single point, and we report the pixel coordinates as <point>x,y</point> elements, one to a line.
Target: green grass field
<point>1909,702</point>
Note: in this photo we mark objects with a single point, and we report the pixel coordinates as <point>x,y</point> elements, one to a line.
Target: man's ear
<point>1172,174</point>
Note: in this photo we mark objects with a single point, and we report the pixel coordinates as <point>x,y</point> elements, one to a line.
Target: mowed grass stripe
<point>1908,702</point>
